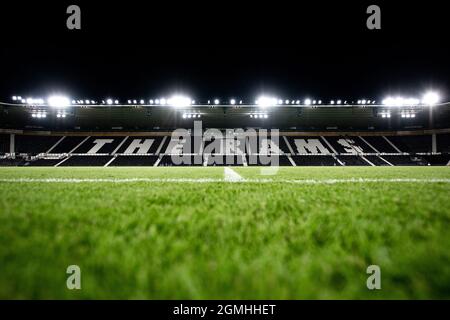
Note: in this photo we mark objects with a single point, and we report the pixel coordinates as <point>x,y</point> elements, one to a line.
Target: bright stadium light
<point>394,101</point>
<point>109,101</point>
<point>58,101</point>
<point>216,101</point>
<point>307,102</point>
<point>14,98</point>
<point>264,101</point>
<point>178,101</point>
<point>286,101</point>
<point>430,98</point>
<point>338,102</point>
<point>141,101</point>
<point>115,101</point>
<point>162,101</point>
<point>412,101</point>
<point>232,101</point>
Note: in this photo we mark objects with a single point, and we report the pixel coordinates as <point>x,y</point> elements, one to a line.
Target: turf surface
<point>211,240</point>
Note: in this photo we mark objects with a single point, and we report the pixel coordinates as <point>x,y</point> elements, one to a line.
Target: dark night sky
<point>225,49</point>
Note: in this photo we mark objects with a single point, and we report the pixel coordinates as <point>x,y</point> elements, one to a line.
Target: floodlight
<point>412,101</point>
<point>162,101</point>
<point>58,101</point>
<point>134,101</point>
<point>109,101</point>
<point>320,102</point>
<point>286,102</point>
<point>151,101</point>
<point>266,116</point>
<point>87,102</point>
<point>184,115</point>
<point>363,101</point>
<point>394,102</point>
<point>178,101</point>
<point>332,102</point>
<point>430,98</point>
<point>280,101</point>
<point>264,101</point>
<point>232,101</point>
<point>338,102</point>
<point>141,101</point>
<point>14,98</point>
<point>216,101</point>
<point>116,101</point>
<point>307,102</point>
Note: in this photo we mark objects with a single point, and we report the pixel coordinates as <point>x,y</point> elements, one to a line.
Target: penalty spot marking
<point>231,176</point>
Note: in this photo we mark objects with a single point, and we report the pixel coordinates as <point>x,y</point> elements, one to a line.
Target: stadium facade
<point>298,134</point>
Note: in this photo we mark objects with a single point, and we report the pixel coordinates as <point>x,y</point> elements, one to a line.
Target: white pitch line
<point>208,180</point>
<point>231,176</point>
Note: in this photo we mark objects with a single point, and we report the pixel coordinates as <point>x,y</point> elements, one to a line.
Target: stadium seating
<point>163,150</point>
<point>443,142</point>
<point>34,144</point>
<point>131,161</point>
<point>4,143</point>
<point>315,161</point>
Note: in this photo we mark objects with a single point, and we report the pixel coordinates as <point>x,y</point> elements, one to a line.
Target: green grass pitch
<point>221,240</point>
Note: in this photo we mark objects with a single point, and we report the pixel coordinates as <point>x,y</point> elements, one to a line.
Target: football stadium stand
<point>31,149</point>
<point>356,135</point>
